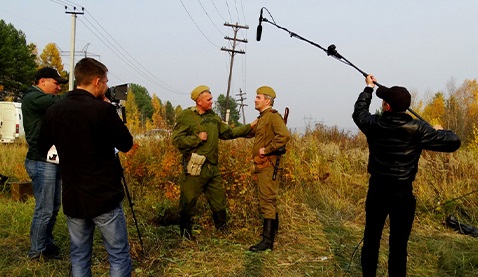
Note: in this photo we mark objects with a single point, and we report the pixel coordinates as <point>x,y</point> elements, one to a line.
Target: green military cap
<point>197,91</point>
<point>267,91</point>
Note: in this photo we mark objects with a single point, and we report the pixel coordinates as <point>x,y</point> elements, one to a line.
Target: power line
<point>212,1</point>
<point>210,18</point>
<point>229,12</point>
<point>151,76</point>
<point>130,62</point>
<point>197,25</point>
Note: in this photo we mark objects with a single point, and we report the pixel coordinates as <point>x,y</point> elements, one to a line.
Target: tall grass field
<point>322,204</point>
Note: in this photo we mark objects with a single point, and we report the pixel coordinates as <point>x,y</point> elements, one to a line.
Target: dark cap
<point>48,72</point>
<point>397,97</point>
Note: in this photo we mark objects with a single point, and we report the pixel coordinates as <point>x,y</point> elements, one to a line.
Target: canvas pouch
<point>195,164</point>
<point>262,162</point>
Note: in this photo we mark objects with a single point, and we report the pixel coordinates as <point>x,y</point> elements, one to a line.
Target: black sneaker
<point>34,256</point>
<point>52,252</point>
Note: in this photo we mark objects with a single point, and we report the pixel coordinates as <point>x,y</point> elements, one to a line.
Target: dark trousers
<point>208,182</point>
<point>400,207</point>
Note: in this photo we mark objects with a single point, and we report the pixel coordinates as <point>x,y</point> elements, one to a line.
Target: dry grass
<point>321,214</point>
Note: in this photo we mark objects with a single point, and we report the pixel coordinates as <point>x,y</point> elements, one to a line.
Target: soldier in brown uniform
<point>271,134</point>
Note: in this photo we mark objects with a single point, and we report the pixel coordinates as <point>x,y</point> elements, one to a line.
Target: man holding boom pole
<point>395,142</point>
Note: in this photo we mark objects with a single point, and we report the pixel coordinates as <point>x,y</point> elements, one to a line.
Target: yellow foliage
<point>473,143</point>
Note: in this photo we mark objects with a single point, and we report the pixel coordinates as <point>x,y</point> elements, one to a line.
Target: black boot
<point>186,226</point>
<point>268,234</point>
<point>220,220</point>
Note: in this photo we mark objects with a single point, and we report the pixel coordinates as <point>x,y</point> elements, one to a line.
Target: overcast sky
<point>170,47</point>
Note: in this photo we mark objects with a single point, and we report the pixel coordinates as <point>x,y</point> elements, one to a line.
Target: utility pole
<point>233,51</point>
<point>242,105</point>
<point>72,45</point>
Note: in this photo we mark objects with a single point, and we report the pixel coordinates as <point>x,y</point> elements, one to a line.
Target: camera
<point>115,94</point>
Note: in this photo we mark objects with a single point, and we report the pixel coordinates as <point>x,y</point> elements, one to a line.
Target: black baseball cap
<point>398,98</point>
<point>48,72</point>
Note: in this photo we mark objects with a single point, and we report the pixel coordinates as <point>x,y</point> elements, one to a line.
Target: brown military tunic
<point>272,134</point>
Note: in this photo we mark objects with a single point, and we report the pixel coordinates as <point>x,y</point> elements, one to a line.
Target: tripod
<point>131,204</point>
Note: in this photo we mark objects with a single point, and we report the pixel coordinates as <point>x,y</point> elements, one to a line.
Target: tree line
<point>455,109</point>
<point>19,62</point>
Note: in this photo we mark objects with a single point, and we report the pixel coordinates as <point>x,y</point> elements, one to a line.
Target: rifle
<point>281,151</point>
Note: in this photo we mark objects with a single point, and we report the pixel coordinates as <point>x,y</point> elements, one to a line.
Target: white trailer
<point>11,122</point>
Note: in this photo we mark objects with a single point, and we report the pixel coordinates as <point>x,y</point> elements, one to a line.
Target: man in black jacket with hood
<point>395,142</point>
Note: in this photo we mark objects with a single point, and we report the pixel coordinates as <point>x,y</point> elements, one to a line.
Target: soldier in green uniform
<point>271,134</point>
<point>196,134</point>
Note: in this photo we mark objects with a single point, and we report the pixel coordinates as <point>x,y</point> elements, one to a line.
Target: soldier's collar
<point>266,110</point>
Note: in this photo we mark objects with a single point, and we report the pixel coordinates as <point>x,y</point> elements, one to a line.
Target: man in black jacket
<point>86,131</point>
<point>395,142</point>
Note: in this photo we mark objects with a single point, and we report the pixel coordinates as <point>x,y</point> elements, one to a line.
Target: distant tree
<point>454,115</point>
<point>50,57</point>
<point>157,118</point>
<point>17,59</point>
<point>220,109</point>
<point>463,106</point>
<point>143,102</point>
<point>435,110</point>
<point>170,114</point>
<point>133,115</point>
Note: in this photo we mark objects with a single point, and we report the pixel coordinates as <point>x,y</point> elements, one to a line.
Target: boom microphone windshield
<point>259,28</point>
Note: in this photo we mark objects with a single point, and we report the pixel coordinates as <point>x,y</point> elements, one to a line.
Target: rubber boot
<point>186,226</point>
<point>268,234</point>
<point>220,220</point>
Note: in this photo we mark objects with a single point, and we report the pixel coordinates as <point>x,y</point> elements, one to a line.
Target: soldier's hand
<point>254,123</point>
<point>203,136</point>
<point>262,152</point>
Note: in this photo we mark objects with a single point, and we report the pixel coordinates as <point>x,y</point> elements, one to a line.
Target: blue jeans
<point>112,226</point>
<point>46,183</point>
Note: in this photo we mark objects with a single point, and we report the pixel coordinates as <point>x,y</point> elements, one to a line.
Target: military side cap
<point>266,91</point>
<point>197,91</point>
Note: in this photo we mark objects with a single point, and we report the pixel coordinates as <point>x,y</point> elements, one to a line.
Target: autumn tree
<point>50,57</point>
<point>157,118</point>
<point>462,109</point>
<point>132,113</point>
<point>435,109</point>
<point>17,59</point>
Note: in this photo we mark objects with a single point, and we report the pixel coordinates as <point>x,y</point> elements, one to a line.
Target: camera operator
<point>86,129</point>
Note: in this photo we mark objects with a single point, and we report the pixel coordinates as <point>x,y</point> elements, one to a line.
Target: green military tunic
<point>185,137</point>
<point>272,134</point>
